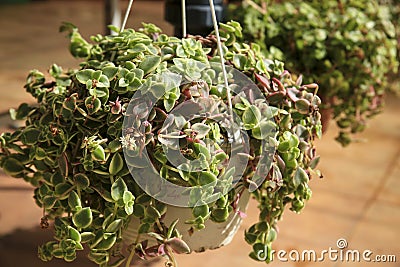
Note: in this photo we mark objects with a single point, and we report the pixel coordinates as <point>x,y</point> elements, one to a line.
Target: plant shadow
<point>19,248</point>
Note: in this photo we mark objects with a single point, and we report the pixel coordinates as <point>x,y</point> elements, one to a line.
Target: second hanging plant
<point>346,46</point>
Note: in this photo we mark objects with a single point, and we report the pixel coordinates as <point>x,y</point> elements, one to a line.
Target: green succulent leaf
<point>83,218</point>
<point>201,130</point>
<point>62,189</point>
<point>178,245</point>
<point>150,63</point>
<point>220,214</point>
<point>74,234</point>
<point>116,164</point>
<point>49,202</point>
<point>264,129</point>
<point>106,243</point>
<point>30,136</point>
<point>74,201</point>
<point>12,167</point>
<point>110,72</point>
<point>303,106</point>
<point>103,82</point>
<point>86,237</point>
<point>128,200</point>
<point>144,228</point>
<point>114,226</point>
<point>82,180</point>
<point>240,61</point>
<point>21,113</point>
<point>201,211</point>
<point>98,153</point>
<point>206,178</point>
<point>117,189</point>
<point>152,212</point>
<point>251,117</point>
<point>300,177</point>
<point>83,76</point>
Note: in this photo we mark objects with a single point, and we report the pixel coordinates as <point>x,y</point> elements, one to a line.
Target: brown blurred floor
<point>359,198</point>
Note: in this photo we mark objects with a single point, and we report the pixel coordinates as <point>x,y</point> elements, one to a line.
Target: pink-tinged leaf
<point>178,245</point>
<point>152,251</point>
<point>161,250</point>
<point>276,96</point>
<point>285,73</point>
<point>311,86</point>
<point>236,201</point>
<point>299,80</point>
<point>279,84</point>
<point>242,214</point>
<point>292,93</point>
<point>263,80</point>
<point>141,255</point>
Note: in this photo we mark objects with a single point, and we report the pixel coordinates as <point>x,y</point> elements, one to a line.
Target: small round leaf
<point>83,218</point>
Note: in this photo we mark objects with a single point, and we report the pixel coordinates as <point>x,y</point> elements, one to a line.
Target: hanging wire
<point>128,10</point>
<point>221,55</point>
<point>184,32</point>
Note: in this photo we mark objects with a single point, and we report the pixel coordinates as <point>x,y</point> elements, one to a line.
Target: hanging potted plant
<point>145,147</point>
<point>346,46</point>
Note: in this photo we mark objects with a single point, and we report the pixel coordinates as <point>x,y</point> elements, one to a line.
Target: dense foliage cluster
<point>346,46</point>
<point>72,146</point>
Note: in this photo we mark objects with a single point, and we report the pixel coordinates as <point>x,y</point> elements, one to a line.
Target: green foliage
<point>71,147</point>
<point>346,46</point>
<point>394,7</point>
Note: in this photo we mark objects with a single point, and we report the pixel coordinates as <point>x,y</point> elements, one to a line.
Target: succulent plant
<point>394,7</point>
<point>77,145</point>
<point>346,46</point>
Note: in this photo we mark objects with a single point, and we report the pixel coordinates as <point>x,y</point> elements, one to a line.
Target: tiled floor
<point>359,198</point>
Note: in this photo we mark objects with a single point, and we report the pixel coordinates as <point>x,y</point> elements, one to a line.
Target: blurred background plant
<point>394,7</point>
<point>347,46</point>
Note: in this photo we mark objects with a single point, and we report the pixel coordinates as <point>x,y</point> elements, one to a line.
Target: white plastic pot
<point>213,236</point>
